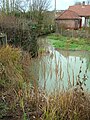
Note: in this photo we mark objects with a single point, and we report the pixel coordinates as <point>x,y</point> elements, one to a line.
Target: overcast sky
<point>63,4</point>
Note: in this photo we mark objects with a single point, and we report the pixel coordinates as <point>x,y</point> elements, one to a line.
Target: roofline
<point>84,15</point>
<point>61,14</point>
<point>69,19</point>
<point>78,5</point>
<point>77,13</point>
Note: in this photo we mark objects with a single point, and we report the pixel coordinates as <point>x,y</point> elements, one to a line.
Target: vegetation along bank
<point>68,43</point>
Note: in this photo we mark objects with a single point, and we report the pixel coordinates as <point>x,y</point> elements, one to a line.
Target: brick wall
<point>71,24</point>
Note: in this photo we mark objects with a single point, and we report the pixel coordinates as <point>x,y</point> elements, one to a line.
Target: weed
<point>74,43</point>
<point>23,99</point>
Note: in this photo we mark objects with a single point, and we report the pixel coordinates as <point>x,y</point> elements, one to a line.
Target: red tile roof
<point>81,10</point>
<point>68,14</point>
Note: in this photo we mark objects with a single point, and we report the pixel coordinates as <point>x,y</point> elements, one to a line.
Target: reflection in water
<point>59,69</point>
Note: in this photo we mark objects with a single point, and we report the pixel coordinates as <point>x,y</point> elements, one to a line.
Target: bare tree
<point>2,5</point>
<point>26,30</point>
<point>12,5</point>
<point>38,8</point>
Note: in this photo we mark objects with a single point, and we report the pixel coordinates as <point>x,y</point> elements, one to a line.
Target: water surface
<point>61,69</point>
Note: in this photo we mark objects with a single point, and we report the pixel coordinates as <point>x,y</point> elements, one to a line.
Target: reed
<point>21,97</point>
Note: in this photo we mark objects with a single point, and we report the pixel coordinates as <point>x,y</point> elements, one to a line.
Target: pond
<point>61,69</point>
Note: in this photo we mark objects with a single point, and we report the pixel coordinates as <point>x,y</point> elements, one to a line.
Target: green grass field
<point>69,43</point>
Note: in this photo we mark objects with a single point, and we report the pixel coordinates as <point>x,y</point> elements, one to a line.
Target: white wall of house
<point>83,21</point>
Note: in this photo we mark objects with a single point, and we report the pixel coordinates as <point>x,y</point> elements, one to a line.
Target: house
<point>69,20</point>
<point>83,11</point>
<point>75,17</point>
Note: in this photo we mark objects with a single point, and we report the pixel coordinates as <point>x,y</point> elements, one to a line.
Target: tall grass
<point>21,98</point>
<point>70,105</point>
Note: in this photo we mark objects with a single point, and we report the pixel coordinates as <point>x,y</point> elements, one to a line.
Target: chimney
<point>88,3</point>
<point>83,3</point>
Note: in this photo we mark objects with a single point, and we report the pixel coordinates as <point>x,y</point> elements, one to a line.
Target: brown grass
<point>22,99</point>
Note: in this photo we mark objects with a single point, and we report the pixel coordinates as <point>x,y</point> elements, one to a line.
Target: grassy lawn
<point>59,41</point>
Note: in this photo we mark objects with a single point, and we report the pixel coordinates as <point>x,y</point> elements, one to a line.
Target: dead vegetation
<point>22,99</point>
